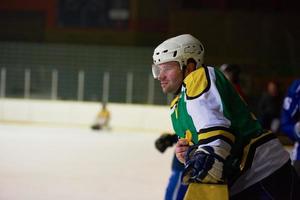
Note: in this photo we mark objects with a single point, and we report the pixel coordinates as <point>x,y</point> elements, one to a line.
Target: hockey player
<point>290,120</point>
<point>221,140</point>
<point>102,119</point>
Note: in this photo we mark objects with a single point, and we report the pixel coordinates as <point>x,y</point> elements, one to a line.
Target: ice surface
<point>62,163</point>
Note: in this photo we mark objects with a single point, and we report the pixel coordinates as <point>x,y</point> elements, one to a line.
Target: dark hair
<point>191,60</point>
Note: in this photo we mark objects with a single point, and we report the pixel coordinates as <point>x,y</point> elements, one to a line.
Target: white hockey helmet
<point>180,49</point>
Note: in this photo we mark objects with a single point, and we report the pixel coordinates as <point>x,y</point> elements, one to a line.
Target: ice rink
<point>62,163</point>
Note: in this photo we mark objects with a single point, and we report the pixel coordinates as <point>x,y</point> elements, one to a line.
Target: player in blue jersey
<point>290,120</point>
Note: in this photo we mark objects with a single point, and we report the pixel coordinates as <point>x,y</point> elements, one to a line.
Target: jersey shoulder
<point>197,83</point>
<point>295,87</point>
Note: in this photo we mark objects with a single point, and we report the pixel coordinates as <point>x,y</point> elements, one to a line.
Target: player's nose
<point>161,76</point>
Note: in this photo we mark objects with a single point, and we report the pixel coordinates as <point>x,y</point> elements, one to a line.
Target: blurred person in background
<point>232,73</point>
<point>220,139</point>
<point>102,119</point>
<point>175,189</point>
<point>290,120</point>
<point>269,107</point>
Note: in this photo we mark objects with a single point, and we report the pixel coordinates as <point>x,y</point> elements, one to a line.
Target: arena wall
<point>72,113</point>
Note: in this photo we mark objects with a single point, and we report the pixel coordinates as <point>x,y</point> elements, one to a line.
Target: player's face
<point>170,76</point>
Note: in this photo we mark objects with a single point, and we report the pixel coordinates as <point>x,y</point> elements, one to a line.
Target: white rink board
<point>75,113</point>
<point>38,162</point>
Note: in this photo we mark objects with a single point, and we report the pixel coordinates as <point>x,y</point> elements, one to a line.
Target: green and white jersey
<point>209,106</point>
<point>209,111</point>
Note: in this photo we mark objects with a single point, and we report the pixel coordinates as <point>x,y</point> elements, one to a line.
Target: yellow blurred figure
<point>102,119</point>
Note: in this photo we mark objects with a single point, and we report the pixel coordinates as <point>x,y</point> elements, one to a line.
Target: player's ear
<point>191,66</point>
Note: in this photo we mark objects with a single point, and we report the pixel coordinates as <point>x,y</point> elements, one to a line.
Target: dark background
<point>119,36</point>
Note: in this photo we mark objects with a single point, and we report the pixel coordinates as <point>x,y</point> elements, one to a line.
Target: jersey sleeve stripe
<point>216,137</point>
<point>216,131</point>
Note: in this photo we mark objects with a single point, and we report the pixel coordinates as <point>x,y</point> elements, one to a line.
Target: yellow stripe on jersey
<point>196,82</point>
<point>189,137</point>
<point>247,148</point>
<point>206,135</point>
<point>174,101</point>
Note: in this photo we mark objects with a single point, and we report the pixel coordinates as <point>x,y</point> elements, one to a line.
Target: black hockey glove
<point>203,166</point>
<point>164,141</point>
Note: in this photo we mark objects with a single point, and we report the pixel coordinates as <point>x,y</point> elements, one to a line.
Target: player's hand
<point>164,141</point>
<point>181,148</point>
<point>203,166</point>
